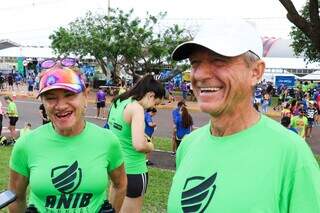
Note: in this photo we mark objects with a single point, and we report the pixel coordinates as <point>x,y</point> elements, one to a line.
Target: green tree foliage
<point>128,43</point>
<point>306,32</point>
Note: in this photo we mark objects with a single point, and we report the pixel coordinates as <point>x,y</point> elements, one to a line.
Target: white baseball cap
<point>226,36</point>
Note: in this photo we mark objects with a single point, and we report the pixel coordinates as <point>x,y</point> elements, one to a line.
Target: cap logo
<point>51,80</point>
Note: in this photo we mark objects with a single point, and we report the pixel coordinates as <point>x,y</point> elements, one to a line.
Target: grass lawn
<point>163,144</point>
<point>157,192</point>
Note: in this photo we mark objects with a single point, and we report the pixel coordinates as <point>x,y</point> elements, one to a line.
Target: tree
<point>306,32</point>
<point>89,35</point>
<point>127,43</point>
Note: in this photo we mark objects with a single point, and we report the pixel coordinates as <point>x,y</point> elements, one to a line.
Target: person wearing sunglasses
<point>67,163</point>
<point>126,120</point>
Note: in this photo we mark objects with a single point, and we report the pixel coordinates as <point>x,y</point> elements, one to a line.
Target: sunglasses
<point>66,62</point>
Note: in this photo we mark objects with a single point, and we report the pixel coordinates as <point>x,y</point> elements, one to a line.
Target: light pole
<point>108,8</point>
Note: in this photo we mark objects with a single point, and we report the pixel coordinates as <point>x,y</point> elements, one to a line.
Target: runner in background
<point>12,113</point>
<point>285,121</point>
<point>312,113</point>
<point>184,124</point>
<point>43,114</point>
<point>150,126</point>
<point>175,115</point>
<point>300,123</point>
<point>101,103</point>
<point>126,120</point>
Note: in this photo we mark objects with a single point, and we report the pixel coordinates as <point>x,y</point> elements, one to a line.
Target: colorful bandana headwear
<point>61,78</point>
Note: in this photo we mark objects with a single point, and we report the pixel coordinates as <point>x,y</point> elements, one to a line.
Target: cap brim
<point>184,50</point>
<point>70,87</point>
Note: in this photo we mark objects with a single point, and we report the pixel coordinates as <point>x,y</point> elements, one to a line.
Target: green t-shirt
<point>12,110</point>
<point>265,168</point>
<point>300,124</point>
<point>134,161</point>
<point>67,174</point>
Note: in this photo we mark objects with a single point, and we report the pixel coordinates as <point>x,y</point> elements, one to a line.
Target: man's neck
<point>234,122</point>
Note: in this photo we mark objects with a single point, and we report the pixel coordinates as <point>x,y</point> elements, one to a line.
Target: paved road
<point>29,112</point>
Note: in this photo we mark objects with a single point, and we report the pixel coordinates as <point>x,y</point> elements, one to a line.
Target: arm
<point>18,183</point>
<point>139,142</point>
<point>118,187</point>
<point>152,124</point>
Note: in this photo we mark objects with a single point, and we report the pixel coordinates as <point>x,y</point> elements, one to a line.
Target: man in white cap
<point>241,161</point>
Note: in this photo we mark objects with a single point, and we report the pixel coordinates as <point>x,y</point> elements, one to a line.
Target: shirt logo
<point>197,193</point>
<point>66,179</point>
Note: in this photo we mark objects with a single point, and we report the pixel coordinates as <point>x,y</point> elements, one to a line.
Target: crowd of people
<point>299,105</point>
<point>73,165</point>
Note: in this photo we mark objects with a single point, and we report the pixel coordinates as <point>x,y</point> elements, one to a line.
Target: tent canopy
<point>313,76</point>
<point>5,43</point>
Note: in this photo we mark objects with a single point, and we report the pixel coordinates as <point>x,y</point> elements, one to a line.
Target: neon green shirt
<point>265,168</point>
<point>135,162</point>
<point>299,123</point>
<point>67,174</point>
<point>12,110</point>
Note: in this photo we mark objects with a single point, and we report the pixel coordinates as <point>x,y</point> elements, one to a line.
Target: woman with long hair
<point>184,125</point>
<point>126,120</point>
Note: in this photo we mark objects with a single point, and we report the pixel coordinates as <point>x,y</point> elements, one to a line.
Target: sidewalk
<point>192,106</point>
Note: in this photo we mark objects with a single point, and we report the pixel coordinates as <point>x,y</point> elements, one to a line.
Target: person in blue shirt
<point>184,124</point>
<point>150,125</point>
<point>175,114</point>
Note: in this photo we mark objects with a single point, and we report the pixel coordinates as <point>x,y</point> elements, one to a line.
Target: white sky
<point>30,22</point>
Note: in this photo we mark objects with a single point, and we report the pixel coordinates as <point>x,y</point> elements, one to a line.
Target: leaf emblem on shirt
<point>196,195</point>
<point>66,178</point>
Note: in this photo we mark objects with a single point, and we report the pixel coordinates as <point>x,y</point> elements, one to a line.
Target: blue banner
<point>288,81</point>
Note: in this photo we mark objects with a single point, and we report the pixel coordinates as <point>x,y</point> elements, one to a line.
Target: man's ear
<point>257,71</point>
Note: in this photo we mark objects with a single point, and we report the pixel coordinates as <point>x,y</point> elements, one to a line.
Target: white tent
<point>32,52</point>
<point>313,76</point>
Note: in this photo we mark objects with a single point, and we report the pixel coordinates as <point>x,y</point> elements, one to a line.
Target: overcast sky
<point>30,22</point>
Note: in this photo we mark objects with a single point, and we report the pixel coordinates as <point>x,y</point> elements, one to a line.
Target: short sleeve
<point>115,158</point>
<point>19,158</point>
<point>305,191</point>
<point>148,118</point>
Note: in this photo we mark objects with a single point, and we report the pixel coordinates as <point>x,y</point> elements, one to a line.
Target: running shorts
<point>13,121</point>
<point>137,184</point>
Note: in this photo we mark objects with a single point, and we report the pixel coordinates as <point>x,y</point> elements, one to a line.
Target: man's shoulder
<point>198,134</point>
<point>277,134</point>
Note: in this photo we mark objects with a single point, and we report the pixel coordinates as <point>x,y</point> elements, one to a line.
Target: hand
<point>149,140</point>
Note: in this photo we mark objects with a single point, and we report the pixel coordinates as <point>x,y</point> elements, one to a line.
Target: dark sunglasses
<point>66,62</point>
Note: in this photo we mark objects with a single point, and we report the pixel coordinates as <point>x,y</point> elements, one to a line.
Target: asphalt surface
<point>29,112</point>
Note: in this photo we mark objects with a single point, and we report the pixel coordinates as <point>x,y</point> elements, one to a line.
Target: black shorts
<point>137,185</point>
<point>30,88</point>
<point>101,104</point>
<point>13,121</point>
